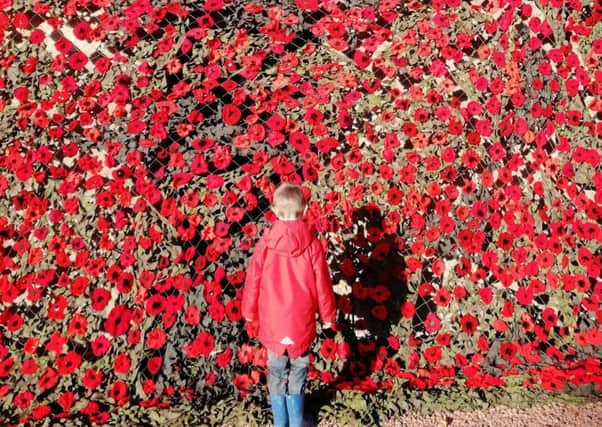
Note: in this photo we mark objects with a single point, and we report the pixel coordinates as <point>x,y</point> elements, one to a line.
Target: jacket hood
<point>289,238</point>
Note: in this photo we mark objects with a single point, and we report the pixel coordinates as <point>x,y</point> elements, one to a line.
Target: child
<point>287,282</point>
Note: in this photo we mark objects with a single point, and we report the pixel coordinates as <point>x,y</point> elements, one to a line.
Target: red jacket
<point>287,283</point>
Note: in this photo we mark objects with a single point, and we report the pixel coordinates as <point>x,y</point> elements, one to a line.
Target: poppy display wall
<point>451,149</point>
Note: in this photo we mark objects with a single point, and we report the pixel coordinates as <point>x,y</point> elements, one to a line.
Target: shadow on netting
<point>369,274</point>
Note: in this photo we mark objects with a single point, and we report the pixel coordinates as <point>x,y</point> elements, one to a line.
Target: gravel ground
<point>546,415</point>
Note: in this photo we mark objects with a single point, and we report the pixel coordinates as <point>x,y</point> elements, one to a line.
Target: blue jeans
<point>285,379</point>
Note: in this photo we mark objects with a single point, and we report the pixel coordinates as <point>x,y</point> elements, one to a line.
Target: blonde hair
<point>289,202</point>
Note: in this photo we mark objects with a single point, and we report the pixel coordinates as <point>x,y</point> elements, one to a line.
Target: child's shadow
<point>369,269</point>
